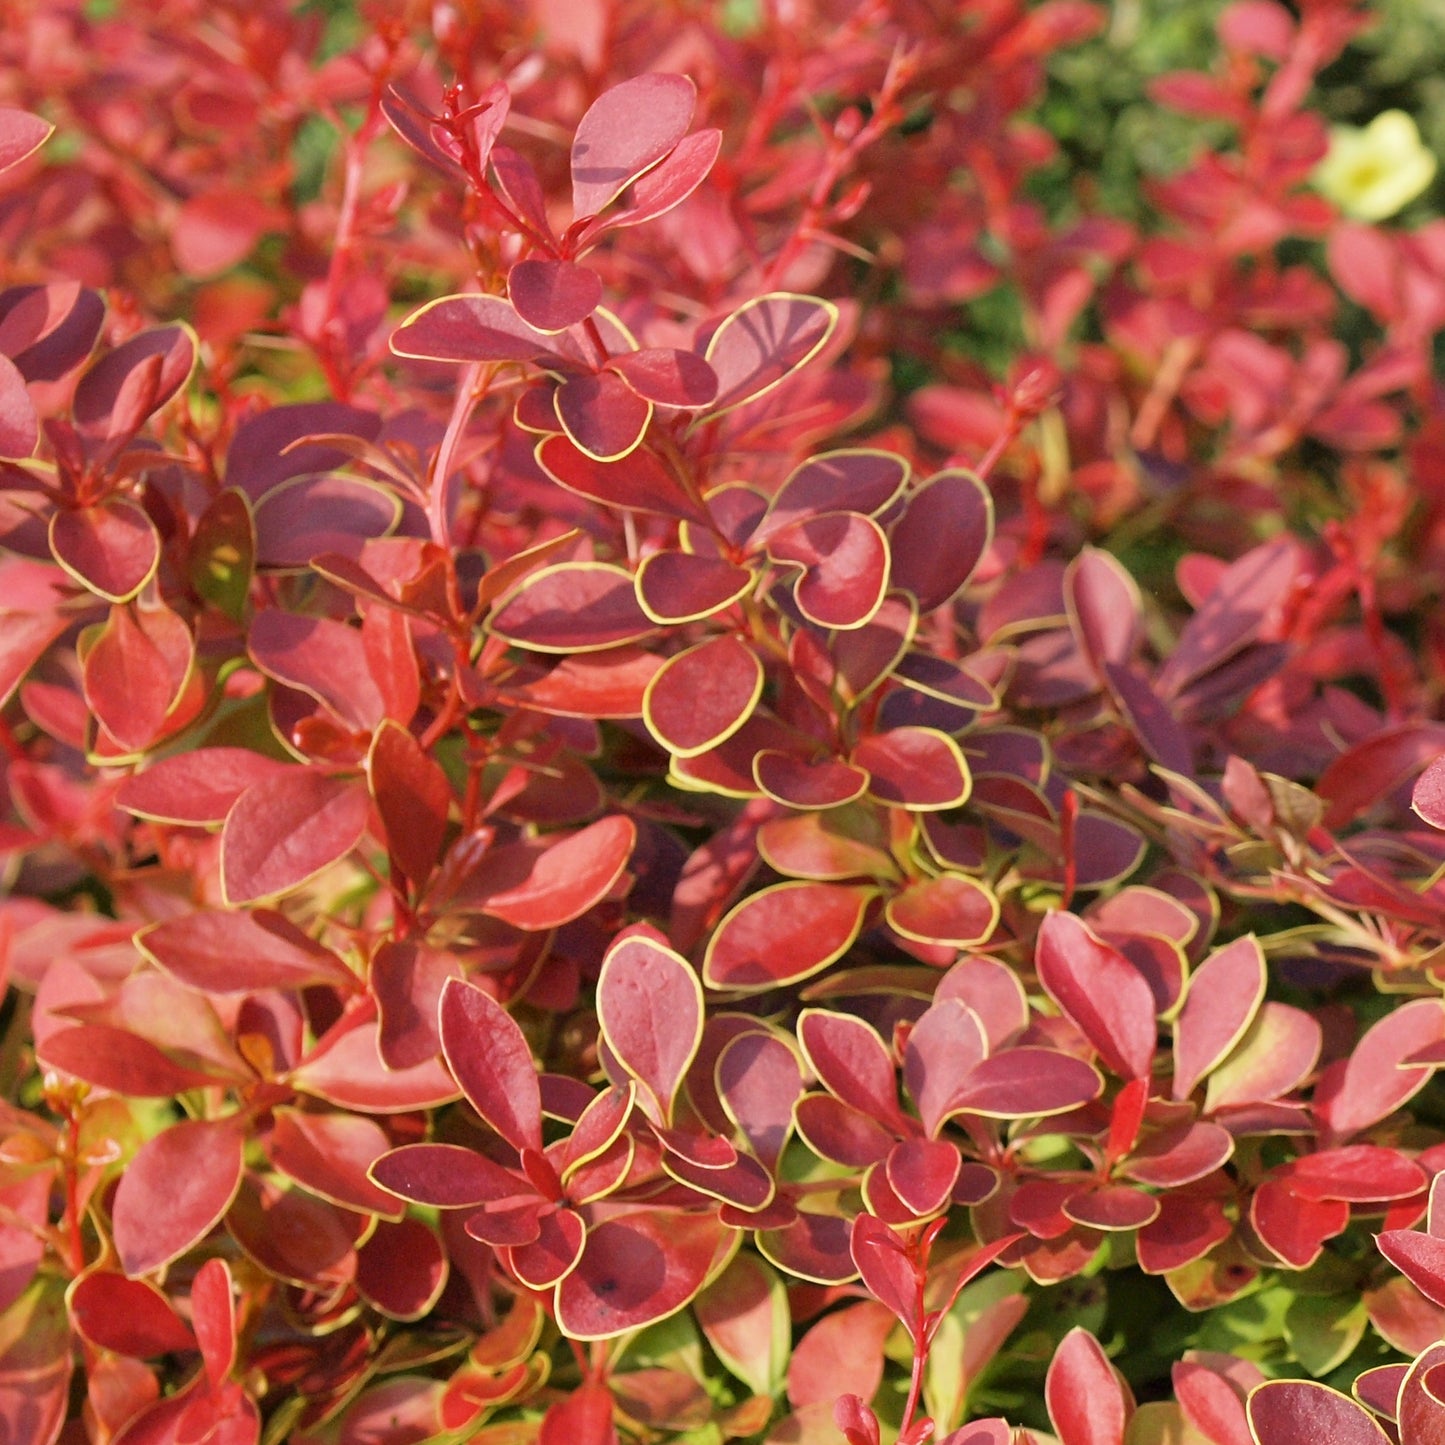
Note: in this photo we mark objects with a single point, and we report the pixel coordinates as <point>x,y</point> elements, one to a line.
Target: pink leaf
<point>667,377</point>
<point>21,135</point>
<point>763,342</point>
<point>666,185</point>
<point>1086,1400</point>
<point>1286,1412</point>
<point>1372,1083</point>
<point>882,1259</point>
<point>553,295</point>
<point>491,1060</point>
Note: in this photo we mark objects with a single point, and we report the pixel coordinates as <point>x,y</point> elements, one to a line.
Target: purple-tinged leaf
<point>472,328</point>
<point>1233,614</point>
<point>1428,799</point>
<point>175,1191</point>
<point>492,1061</point>
<point>950,910</point>
<point>638,482</point>
<point>1225,993</point>
<point>1377,1389</point>
<point>114,398</point>
<point>917,768</point>
<point>812,1247</point>
<point>758,1081</point>
<point>853,479</point>
<point>1286,1412</point>
<point>667,377</point>
<point>315,516</point>
<point>649,1004</point>
<point>625,132</point>
<point>763,342</point>
<point>937,543</point>
<point>112,549</point>
<point>1362,775</point>
<point>401,1270</point>
<point>1354,1093</point>
<point>284,830</point>
<point>19,425</point>
<point>844,557</point>
<point>1101,991</point>
<point>1149,718</point>
<point>702,696</point>
<point>942,1049</point>
<point>555,1251</point>
<point>553,295</point>
<point>271,447</point>
<point>993,991</point>
<point>603,417</point>
<point>853,1063</point>
<point>1178,1154</point>
<point>683,587</point>
<point>47,331</point>
<point>444,1176</point>
<point>1087,1401</point>
<point>572,607</point>
<point>21,135</point>
<point>1104,606</point>
<point>782,934</point>
<point>638,1268</point>
<point>666,185</point>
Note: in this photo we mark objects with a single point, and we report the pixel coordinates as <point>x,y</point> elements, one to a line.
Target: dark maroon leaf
<point>1284,1412</point>
<point>804,783</point>
<point>312,516</point>
<point>402,1269</point>
<point>625,132</point>
<point>937,543</point>
<point>686,587</point>
<point>849,480</point>
<point>603,417</point>
<point>763,342</point>
<point>1104,606</point>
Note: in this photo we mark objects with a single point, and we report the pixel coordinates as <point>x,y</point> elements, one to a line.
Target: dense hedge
<point>720,721</point>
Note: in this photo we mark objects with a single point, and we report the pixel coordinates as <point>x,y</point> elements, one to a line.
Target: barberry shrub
<point>687,753</point>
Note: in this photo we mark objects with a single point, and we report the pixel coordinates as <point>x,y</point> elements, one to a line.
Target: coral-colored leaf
<point>195,787</point>
<point>321,657</point>
<point>625,132</point>
<point>129,1316</point>
<point>582,1417</point>
<point>492,1062</point>
<point>175,1190</point>
<point>135,671</point>
<point>572,607</point>
<point>943,1048</point>
<point>881,1257</point>
<point>1026,1083</point>
<point>703,696</point>
<point>213,1318</point>
<point>1101,991</point>
<point>413,797</point>
<point>284,830</point>
<point>744,1315</point>
<point>784,933</point>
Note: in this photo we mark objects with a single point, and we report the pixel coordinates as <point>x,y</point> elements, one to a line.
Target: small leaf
<point>470,328</point>
<point>844,556</point>
<point>638,482</point>
<point>553,295</point>
<point>1224,995</point>
<point>112,549</point>
<point>19,425</point>
<point>917,768</point>
<point>603,417</point>
<point>682,587</point>
<point>937,543</point>
<point>951,910</point>
<point>702,696</point>
<point>763,342</point>
<point>130,1316</point>
<point>667,377</point>
<point>1086,1400</point>
<point>413,797</point>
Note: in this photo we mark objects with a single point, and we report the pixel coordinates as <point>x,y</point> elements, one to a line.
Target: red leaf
<point>553,295</point>
<point>406,980</point>
<point>346,1069</point>
<point>1293,1227</point>
<point>285,830</point>
<point>1419,1257</point>
<point>413,797</point>
<point>608,684</point>
<point>1224,995</point>
<point>758,1081</point>
<point>174,1191</point>
<point>937,543</point>
<point>21,135</point>
<point>782,934</point>
<point>1101,991</point>
<point>683,587</point>
<point>572,607</point>
<point>1285,1412</point>
<point>536,887</point>
<point>803,783</point>
<point>470,328</point>
<point>310,516</point>
<point>1103,602</point>
<point>602,416</point>
<point>491,1060</point>
<point>114,398</point>
<point>1358,1173</point>
<point>1026,1083</point>
<point>238,953</point>
<point>1372,1083</point>
<point>845,1345</point>
<point>764,341</point>
<point>638,482</point>
<point>649,1003</point>
<point>853,479</point>
<point>214,1320</point>
<point>625,132</point>
<point>582,1417</point>
<point>666,185</point>
<point>197,787</point>
<point>19,425</point>
<point>402,1269</point>
<point>1113,1207</point>
<point>943,1048</point>
<point>321,657</point>
<point>330,1154</point>
<point>1086,1400</point>
<point>113,549</point>
<point>844,556</point>
<point>667,377</point>
<point>637,1268</point>
<point>951,910</point>
<point>922,1173</point>
<point>882,1259</point>
<point>702,696</point>
<point>135,671</point>
<point>445,1176</point>
<point>113,1058</point>
<point>129,1316</point>
<point>217,229</point>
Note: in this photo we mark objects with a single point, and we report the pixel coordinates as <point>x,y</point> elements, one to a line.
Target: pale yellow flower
<point>1374,170</point>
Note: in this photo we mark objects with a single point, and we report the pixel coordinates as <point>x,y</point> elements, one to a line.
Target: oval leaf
<point>782,934</point>
<point>703,696</point>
